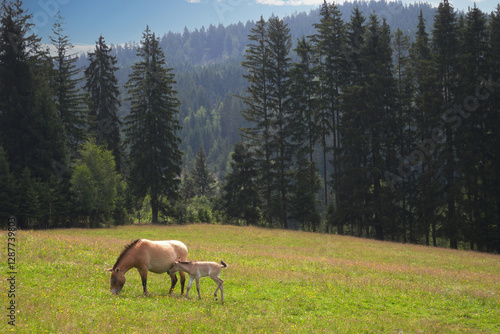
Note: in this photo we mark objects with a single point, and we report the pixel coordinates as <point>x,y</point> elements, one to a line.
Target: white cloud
<point>193,1</point>
<point>290,2</point>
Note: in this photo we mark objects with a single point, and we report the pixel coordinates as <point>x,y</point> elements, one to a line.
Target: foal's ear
<point>110,269</point>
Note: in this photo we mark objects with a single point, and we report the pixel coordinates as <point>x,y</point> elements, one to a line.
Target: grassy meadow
<point>277,282</point>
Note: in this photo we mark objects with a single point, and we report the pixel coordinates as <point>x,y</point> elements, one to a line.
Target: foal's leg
<point>173,278</point>
<point>198,286</point>
<point>183,280</point>
<point>219,286</point>
<point>191,279</point>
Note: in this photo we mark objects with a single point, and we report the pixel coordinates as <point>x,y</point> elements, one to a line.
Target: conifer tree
<point>304,103</point>
<point>279,45</point>
<point>151,126</point>
<point>472,139</point>
<point>30,130</point>
<point>204,181</point>
<point>425,116</point>
<point>404,136</point>
<point>258,113</point>
<point>353,182</point>
<point>329,47</point>
<point>102,89</point>
<point>493,127</point>
<point>68,98</point>
<point>240,191</point>
<point>445,52</point>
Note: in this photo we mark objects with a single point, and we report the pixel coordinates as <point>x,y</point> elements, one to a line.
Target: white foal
<point>197,269</point>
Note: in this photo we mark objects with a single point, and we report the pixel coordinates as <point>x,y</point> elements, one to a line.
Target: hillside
<point>207,63</point>
<point>277,281</point>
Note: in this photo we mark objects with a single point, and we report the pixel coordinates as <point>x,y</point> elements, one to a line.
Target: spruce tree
<point>151,127</point>
<point>257,134</point>
<point>445,51</point>
<point>493,127</point>
<point>330,54</point>
<point>279,45</point>
<point>68,98</point>
<point>404,137</point>
<point>354,185</point>
<point>472,139</point>
<point>240,197</point>
<point>204,181</point>
<point>425,116</point>
<point>304,102</point>
<point>30,129</point>
<point>102,89</point>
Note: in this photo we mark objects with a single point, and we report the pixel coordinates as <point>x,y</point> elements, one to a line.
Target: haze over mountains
<point>123,21</point>
<point>209,75</point>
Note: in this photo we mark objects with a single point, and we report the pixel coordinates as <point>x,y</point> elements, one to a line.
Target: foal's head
<point>173,268</point>
<point>117,280</point>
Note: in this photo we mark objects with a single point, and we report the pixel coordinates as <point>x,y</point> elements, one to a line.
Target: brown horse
<point>147,255</point>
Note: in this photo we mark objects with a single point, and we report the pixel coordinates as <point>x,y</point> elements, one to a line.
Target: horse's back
<point>163,253</point>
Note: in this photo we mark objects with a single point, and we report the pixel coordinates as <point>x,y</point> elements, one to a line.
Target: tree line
<point>351,129</point>
<point>407,129</point>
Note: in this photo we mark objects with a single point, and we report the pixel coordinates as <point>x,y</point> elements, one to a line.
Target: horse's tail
<point>224,264</point>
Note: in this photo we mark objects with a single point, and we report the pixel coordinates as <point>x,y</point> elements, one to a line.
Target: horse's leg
<point>144,277</point>
<point>173,278</point>
<point>183,280</point>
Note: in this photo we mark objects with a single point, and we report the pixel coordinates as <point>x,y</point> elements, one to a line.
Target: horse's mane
<point>125,250</point>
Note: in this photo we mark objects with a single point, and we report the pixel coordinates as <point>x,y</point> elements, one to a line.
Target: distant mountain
<point>207,63</point>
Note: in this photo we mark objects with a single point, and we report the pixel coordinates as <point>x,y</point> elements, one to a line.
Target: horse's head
<point>117,280</point>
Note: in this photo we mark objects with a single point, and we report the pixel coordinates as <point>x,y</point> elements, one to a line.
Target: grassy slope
<point>277,281</point>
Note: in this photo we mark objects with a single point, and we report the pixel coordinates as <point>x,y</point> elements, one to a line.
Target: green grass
<point>277,282</point>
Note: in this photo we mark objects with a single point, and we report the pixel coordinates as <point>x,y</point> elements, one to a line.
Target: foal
<point>196,270</point>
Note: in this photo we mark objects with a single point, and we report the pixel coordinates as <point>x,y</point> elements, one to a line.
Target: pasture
<point>277,282</point>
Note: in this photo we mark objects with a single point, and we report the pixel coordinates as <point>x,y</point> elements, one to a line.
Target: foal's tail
<point>224,264</point>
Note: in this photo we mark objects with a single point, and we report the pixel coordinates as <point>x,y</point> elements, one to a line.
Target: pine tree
<point>257,135</point>
<point>353,183</point>
<point>204,181</point>
<point>404,137</point>
<point>31,132</point>
<point>329,48</point>
<point>425,116</point>
<point>151,126</point>
<point>493,127</point>
<point>102,89</point>
<point>279,45</point>
<point>472,140</point>
<point>304,103</point>
<point>445,51</point>
<point>240,191</point>
<point>68,98</point>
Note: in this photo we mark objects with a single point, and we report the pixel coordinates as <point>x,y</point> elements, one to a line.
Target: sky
<point>123,21</point>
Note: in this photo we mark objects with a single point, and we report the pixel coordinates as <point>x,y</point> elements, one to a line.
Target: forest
<point>371,119</point>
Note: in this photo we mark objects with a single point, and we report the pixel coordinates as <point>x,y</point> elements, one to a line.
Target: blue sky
<point>122,21</point>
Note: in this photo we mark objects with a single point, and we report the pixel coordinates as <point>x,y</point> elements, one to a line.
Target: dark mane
<point>125,250</point>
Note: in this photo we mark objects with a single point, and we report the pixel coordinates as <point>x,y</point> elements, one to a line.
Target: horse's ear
<point>110,269</point>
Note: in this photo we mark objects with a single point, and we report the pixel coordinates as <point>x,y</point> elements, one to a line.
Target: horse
<point>147,255</point>
<point>197,269</point>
